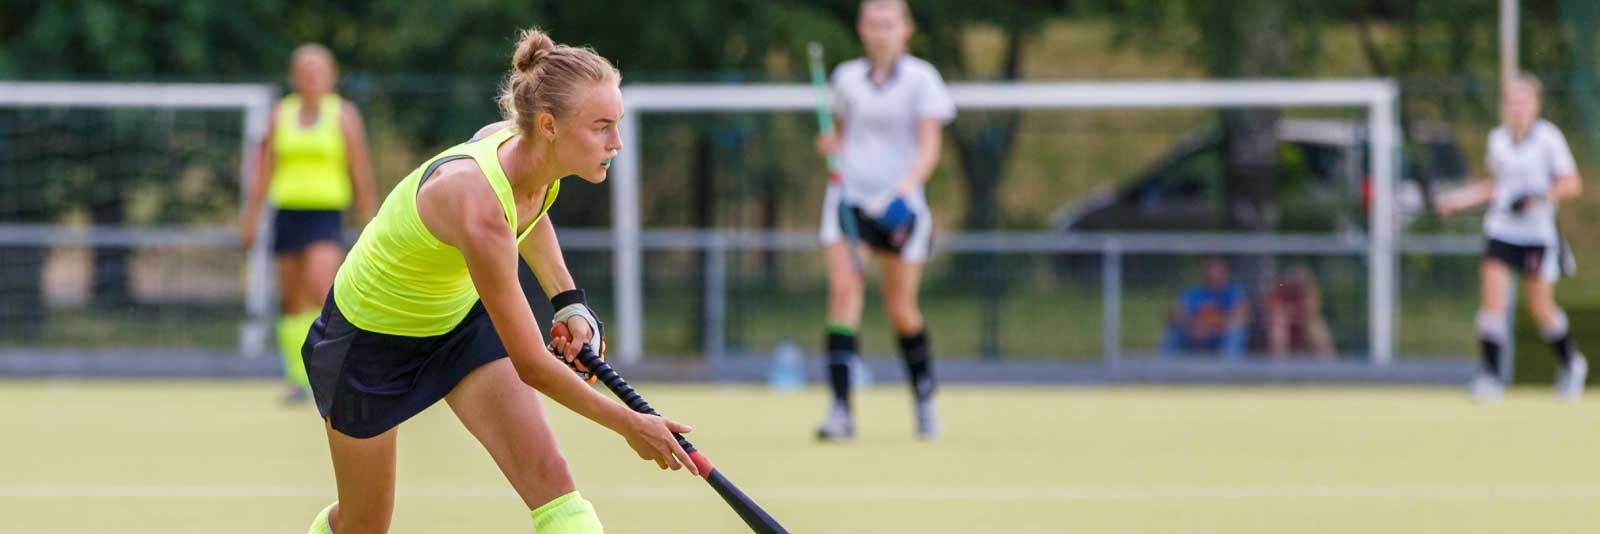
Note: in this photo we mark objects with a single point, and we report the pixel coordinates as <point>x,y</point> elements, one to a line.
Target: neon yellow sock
<point>567,514</point>
<point>320,525</point>
<point>292,331</point>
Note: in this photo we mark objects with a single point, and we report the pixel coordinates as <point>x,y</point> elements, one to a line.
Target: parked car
<point>1323,179</point>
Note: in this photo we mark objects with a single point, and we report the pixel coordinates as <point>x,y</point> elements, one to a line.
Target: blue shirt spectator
<point>1210,317</point>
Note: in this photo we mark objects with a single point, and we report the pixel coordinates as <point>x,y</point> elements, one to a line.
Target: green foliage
<point>1236,38</point>
<point>90,39</point>
<point>463,47</point>
<point>425,69</point>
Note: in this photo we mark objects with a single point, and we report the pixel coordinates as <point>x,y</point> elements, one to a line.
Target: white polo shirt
<point>1523,168</point>
<point>880,124</point>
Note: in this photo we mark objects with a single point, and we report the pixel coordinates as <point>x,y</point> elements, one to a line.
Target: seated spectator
<point>1294,317</point>
<point>1211,317</point>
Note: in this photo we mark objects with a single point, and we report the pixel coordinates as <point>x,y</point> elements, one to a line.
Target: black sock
<point>1563,348</point>
<point>1491,356</point>
<point>841,350</point>
<point>919,364</point>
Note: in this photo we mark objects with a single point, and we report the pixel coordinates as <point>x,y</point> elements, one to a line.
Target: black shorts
<point>366,383</point>
<point>877,237</point>
<point>294,230</point>
<point>1525,260</point>
<point>914,246</point>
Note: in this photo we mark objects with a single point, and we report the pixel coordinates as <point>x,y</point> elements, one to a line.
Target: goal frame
<point>1379,97</point>
<point>253,101</point>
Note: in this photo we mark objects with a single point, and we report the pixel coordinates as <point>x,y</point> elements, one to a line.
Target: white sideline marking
<point>839,494</point>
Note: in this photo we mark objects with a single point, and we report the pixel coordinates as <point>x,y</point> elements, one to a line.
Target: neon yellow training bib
<point>401,280</point>
<point>309,170</point>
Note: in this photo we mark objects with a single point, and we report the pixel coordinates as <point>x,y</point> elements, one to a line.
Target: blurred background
<point>157,187</point>
<point>1068,225</point>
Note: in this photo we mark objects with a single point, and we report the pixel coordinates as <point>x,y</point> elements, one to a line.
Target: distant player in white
<point>1532,170</point>
<point>890,108</point>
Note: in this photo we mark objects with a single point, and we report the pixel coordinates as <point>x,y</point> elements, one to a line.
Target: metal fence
<point>712,287</point>
<point>731,294</point>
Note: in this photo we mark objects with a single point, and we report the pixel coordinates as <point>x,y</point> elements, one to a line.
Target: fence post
<point>627,255</point>
<point>716,297</point>
<point>1111,302</point>
<point>254,333</point>
<point>1384,154</point>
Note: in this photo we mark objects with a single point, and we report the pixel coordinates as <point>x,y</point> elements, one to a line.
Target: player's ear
<point>546,124</point>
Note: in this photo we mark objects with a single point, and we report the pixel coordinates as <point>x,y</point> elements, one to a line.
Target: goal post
<point>1377,96</point>
<point>252,101</point>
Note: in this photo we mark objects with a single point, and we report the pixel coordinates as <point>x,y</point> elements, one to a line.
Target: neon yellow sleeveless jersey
<point>309,170</point>
<point>401,280</point>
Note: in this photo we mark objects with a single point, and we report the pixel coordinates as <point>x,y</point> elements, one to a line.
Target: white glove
<point>573,303</point>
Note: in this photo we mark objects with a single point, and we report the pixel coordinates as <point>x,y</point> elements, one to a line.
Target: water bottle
<point>860,374</point>
<point>787,372</point>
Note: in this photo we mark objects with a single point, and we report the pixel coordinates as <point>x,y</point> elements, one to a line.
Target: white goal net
<point>118,210</point>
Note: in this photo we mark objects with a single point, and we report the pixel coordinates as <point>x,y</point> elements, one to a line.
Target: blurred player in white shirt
<point>1532,170</point>
<point>891,108</point>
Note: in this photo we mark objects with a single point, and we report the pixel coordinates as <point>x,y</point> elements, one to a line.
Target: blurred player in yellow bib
<point>313,163</point>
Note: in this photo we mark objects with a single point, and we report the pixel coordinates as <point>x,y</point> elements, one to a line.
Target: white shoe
<point>1486,388</point>
<point>838,426</point>
<point>928,427</point>
<point>1570,380</point>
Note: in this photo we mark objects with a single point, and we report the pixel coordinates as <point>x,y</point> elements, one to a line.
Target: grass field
<point>224,457</point>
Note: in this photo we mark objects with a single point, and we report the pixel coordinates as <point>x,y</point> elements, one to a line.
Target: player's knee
<point>845,282</point>
<point>1492,326</point>
<point>1554,325</point>
<point>908,322</point>
<point>549,469</point>
<point>905,316</point>
<point>844,292</point>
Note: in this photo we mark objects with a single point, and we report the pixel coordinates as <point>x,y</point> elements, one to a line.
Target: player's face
<point>589,139</point>
<point>884,29</point>
<point>1519,105</point>
<point>1216,273</point>
<point>311,74</point>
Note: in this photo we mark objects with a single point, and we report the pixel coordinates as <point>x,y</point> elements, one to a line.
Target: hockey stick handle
<point>819,86</point>
<point>847,221</point>
<point>631,398</point>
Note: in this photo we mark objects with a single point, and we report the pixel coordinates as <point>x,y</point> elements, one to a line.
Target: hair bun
<point>533,47</point>
<point>534,86</point>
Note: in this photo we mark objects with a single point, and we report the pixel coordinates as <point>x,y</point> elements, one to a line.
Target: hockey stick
<point>847,218</point>
<point>758,519</point>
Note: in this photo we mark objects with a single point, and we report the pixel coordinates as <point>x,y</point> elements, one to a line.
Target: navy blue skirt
<point>366,383</point>
<point>294,230</point>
